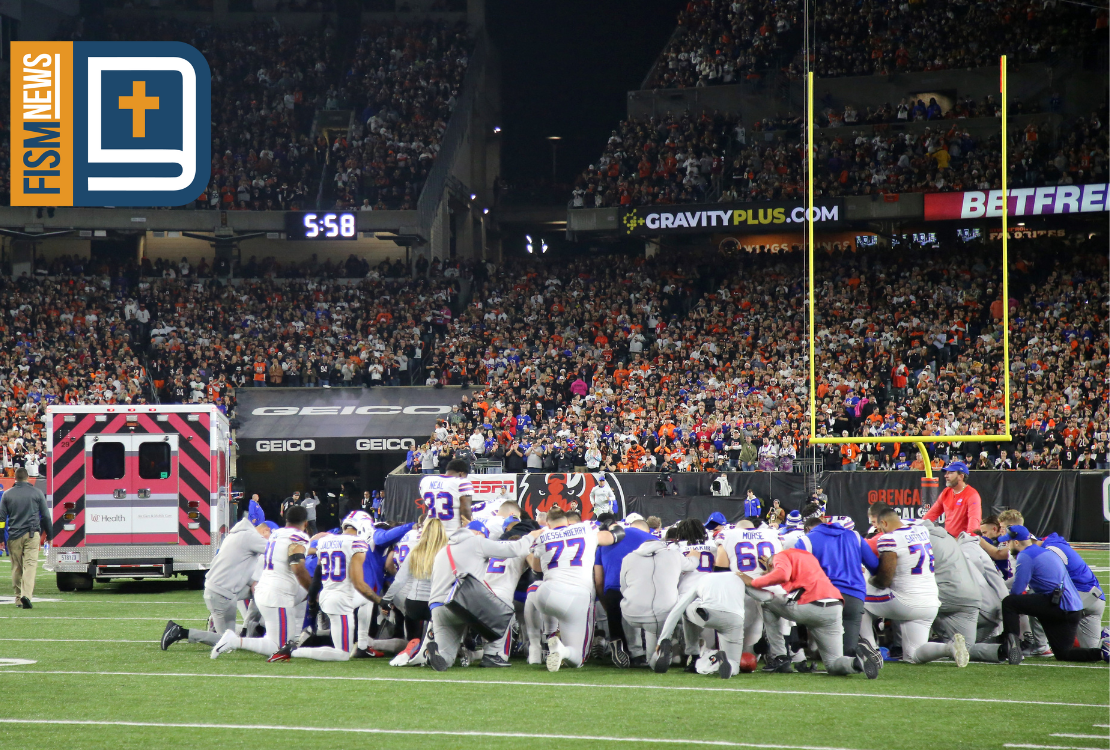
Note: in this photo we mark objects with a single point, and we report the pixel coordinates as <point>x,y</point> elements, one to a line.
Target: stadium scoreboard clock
<point>323,225</point>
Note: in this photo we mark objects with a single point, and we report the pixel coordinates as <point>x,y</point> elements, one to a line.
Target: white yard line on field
<point>68,640</point>
<point>1053,747</point>
<point>559,685</point>
<point>1081,736</point>
<point>78,619</point>
<point>419,732</point>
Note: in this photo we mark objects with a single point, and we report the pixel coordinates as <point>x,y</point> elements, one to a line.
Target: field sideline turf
<point>97,660</point>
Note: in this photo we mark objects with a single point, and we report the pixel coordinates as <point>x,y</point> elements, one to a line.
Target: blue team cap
<point>272,526</point>
<point>478,526</point>
<point>1016,533</point>
<point>716,519</point>
<point>959,466</point>
<point>255,513</point>
<point>336,531</point>
<point>794,518</point>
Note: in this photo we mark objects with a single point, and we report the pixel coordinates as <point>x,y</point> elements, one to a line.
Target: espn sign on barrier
<point>1041,201</point>
<point>109,123</point>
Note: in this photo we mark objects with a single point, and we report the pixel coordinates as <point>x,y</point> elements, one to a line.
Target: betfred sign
<point>1042,201</point>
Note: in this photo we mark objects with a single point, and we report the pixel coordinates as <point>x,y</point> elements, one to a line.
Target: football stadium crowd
<point>689,158</point>
<point>404,80</point>
<point>268,82</point>
<point>678,364</point>
<point>720,42</point>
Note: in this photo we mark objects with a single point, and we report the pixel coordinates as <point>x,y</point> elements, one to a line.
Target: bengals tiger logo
<point>539,493</point>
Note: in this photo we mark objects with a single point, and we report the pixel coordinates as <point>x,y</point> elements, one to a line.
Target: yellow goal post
<point>811,290</point>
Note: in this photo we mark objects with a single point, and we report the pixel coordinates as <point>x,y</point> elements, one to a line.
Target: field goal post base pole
<point>930,485</point>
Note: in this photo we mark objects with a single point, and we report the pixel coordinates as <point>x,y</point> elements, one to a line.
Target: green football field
<point>99,680</point>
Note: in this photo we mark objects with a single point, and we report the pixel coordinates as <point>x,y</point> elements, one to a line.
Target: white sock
<point>321,653</point>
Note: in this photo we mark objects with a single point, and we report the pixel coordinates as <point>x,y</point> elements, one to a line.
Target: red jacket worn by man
<point>959,502</point>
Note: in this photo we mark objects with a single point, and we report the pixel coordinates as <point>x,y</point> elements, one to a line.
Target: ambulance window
<point>154,460</point>
<point>108,460</point>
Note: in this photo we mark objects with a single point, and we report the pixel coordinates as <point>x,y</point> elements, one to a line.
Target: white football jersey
<point>707,554</point>
<point>744,547</point>
<point>405,545</point>
<point>442,496</point>
<point>278,587</point>
<point>502,575</point>
<point>790,537</point>
<point>567,554</point>
<point>914,582</point>
<point>335,553</point>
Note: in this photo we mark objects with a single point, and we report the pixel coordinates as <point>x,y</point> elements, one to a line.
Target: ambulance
<point>136,491</point>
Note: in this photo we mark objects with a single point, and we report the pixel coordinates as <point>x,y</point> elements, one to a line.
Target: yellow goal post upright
<point>929,484</point>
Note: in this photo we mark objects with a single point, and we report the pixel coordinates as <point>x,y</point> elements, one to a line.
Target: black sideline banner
<point>1067,502</point>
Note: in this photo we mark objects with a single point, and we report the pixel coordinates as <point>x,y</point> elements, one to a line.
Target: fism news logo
<point>109,123</point>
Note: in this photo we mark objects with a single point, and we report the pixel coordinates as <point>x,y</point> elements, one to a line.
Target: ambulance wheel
<point>82,581</point>
<point>196,580</point>
<point>66,582</point>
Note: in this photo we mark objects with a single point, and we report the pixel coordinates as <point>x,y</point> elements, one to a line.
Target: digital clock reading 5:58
<point>320,226</point>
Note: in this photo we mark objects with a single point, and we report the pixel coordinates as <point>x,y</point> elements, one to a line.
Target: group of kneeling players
<point>811,590</point>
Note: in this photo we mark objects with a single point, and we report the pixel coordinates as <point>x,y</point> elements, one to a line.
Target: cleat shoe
<point>555,649</point>
<point>285,653</point>
<point>887,655</point>
<point>228,643</point>
<point>638,662</point>
<point>778,664</point>
<point>25,602</point>
<point>618,655</point>
<point>805,666</point>
<point>959,651</point>
<point>464,658</point>
<point>691,665</point>
<point>1010,650</point>
<point>367,653</point>
<point>406,655</point>
<point>172,634</point>
<point>493,661</point>
<point>1104,644</point>
<point>870,661</point>
<point>663,659</point>
<point>725,670</point>
<point>435,659</point>
<point>535,653</point>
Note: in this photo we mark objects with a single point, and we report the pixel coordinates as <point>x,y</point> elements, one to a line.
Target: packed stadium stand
<point>721,42</point>
<point>671,363</point>
<point>690,360</point>
<point>682,158</point>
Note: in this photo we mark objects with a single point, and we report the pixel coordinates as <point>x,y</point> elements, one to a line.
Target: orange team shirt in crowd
<point>850,452</point>
<point>963,511</point>
<point>798,569</point>
<point>259,370</point>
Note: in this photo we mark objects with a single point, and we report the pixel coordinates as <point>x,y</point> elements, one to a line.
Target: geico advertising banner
<point>340,420</point>
<point>1041,201</point>
<point>728,217</point>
